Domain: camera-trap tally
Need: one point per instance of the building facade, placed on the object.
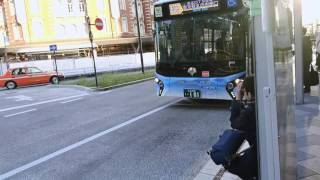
(13, 34)
(32, 25)
(128, 17)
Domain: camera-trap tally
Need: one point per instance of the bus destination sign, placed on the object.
(193, 6)
(187, 7)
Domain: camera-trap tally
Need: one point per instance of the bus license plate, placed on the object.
(192, 93)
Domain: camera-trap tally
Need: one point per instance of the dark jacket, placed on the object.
(243, 118)
(307, 59)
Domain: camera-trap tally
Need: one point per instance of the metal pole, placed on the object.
(139, 36)
(91, 41)
(92, 50)
(55, 62)
(1, 69)
(298, 52)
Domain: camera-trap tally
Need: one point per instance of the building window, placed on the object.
(1, 17)
(60, 7)
(69, 5)
(82, 29)
(142, 32)
(71, 31)
(100, 5)
(135, 30)
(124, 24)
(81, 6)
(16, 32)
(140, 9)
(37, 28)
(35, 6)
(60, 31)
(12, 8)
(122, 4)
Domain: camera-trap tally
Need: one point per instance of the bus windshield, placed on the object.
(203, 38)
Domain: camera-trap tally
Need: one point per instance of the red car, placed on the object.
(25, 76)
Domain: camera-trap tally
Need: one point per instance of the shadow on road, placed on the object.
(204, 103)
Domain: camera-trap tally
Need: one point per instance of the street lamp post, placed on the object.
(139, 36)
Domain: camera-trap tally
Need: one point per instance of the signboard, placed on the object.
(205, 73)
(185, 7)
(193, 6)
(98, 23)
(158, 12)
(53, 47)
(200, 4)
(175, 9)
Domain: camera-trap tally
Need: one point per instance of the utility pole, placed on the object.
(92, 50)
(139, 36)
(91, 41)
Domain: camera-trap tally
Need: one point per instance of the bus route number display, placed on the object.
(193, 6)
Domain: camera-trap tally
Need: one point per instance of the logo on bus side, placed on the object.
(192, 71)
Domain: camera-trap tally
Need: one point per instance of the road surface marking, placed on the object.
(19, 98)
(106, 92)
(23, 112)
(64, 102)
(42, 102)
(80, 143)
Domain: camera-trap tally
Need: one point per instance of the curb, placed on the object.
(122, 85)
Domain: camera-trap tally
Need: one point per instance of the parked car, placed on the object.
(25, 76)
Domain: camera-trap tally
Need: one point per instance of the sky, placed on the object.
(310, 11)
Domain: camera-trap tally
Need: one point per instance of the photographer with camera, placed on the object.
(243, 123)
(243, 118)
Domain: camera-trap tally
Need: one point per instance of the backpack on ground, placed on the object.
(224, 150)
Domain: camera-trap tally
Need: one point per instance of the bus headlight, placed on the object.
(230, 86)
(161, 85)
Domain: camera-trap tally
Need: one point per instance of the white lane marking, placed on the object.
(42, 102)
(105, 92)
(23, 112)
(20, 98)
(64, 102)
(80, 143)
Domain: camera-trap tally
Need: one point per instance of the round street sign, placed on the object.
(99, 24)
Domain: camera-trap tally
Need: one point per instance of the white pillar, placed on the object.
(268, 144)
(298, 52)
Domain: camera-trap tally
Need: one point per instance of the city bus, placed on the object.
(202, 47)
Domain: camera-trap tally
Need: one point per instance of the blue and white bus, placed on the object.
(202, 47)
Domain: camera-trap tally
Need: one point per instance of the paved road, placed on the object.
(52, 132)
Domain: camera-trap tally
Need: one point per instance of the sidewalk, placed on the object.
(308, 136)
(307, 119)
